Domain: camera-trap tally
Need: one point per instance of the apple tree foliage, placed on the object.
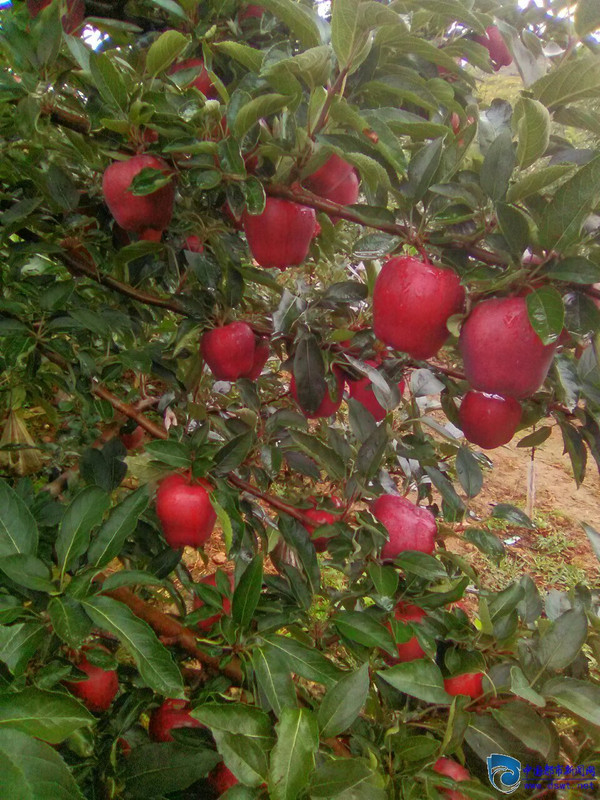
(294, 686)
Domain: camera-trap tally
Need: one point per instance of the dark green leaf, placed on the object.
(32, 770)
(164, 51)
(420, 678)
(575, 269)
(28, 571)
(18, 643)
(309, 374)
(513, 515)
(371, 452)
(327, 458)
(83, 514)
(305, 661)
(121, 523)
(237, 718)
(361, 627)
(485, 541)
(247, 593)
(527, 725)
(18, 530)
(536, 438)
(175, 454)
(109, 81)
(579, 697)
(293, 757)
(154, 770)
(50, 716)
(498, 166)
(274, 678)
(562, 642)
(546, 313)
(234, 453)
(469, 472)
(345, 779)
(343, 702)
(69, 620)
(594, 538)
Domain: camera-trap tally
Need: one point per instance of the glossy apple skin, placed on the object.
(202, 82)
(100, 688)
(500, 55)
(135, 213)
(328, 405)
(412, 302)
(194, 244)
(502, 354)
(206, 624)
(71, 21)
(229, 350)
(185, 511)
(362, 390)
(320, 518)
(171, 714)
(489, 420)
(451, 769)
(280, 237)
(221, 779)
(410, 650)
(134, 439)
(262, 352)
(469, 684)
(337, 181)
(409, 527)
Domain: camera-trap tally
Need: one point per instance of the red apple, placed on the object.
(101, 686)
(151, 235)
(410, 650)
(328, 405)
(251, 11)
(194, 244)
(455, 122)
(489, 420)
(362, 390)
(469, 684)
(500, 55)
(412, 302)
(502, 353)
(333, 172)
(211, 580)
(134, 439)
(171, 714)
(133, 212)
(409, 527)
(262, 351)
(280, 237)
(451, 769)
(71, 21)
(229, 351)
(185, 511)
(320, 518)
(221, 779)
(202, 82)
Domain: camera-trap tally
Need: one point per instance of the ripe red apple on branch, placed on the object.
(469, 683)
(262, 351)
(489, 420)
(101, 686)
(172, 713)
(409, 527)
(185, 511)
(336, 180)
(207, 623)
(412, 302)
(221, 778)
(229, 350)
(500, 55)
(320, 517)
(362, 390)
(452, 769)
(280, 237)
(411, 649)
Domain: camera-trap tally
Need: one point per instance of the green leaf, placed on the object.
(546, 313)
(536, 438)
(573, 80)
(575, 447)
(32, 770)
(50, 716)
(587, 17)
(514, 226)
(527, 725)
(274, 679)
(469, 472)
(498, 166)
(237, 718)
(309, 374)
(69, 620)
(18, 529)
(245, 757)
(18, 644)
(345, 779)
(153, 660)
(579, 697)
(368, 459)
(421, 678)
(532, 183)
(362, 627)
(28, 571)
(327, 458)
(519, 685)
(247, 593)
(349, 34)
(343, 702)
(121, 523)
(175, 454)
(561, 220)
(487, 736)
(83, 514)
(512, 514)
(445, 488)
(256, 109)
(248, 57)
(298, 19)
(154, 770)
(485, 541)
(423, 168)
(108, 81)
(575, 269)
(562, 642)
(293, 757)
(532, 123)
(593, 537)
(305, 661)
(62, 188)
(165, 50)
(234, 453)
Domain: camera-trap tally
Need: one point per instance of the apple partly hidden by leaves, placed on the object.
(185, 511)
(194, 244)
(329, 405)
(489, 420)
(336, 180)
(409, 527)
(211, 580)
(500, 55)
(133, 439)
(280, 237)
(412, 302)
(320, 517)
(362, 390)
(262, 351)
(469, 684)
(502, 353)
(229, 350)
(452, 769)
(101, 686)
(173, 713)
(138, 212)
(250, 11)
(71, 21)
(411, 649)
(221, 779)
(202, 81)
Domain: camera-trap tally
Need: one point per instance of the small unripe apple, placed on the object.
(221, 779)
(171, 714)
(469, 684)
(134, 439)
(329, 405)
(409, 527)
(500, 55)
(412, 302)
(194, 244)
(280, 237)
(229, 350)
(71, 21)
(362, 390)
(489, 420)
(101, 686)
(262, 351)
(320, 518)
(185, 511)
(206, 624)
(454, 770)
(133, 212)
(202, 82)
(410, 650)
(502, 353)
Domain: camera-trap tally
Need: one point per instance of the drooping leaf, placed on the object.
(50, 716)
(83, 514)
